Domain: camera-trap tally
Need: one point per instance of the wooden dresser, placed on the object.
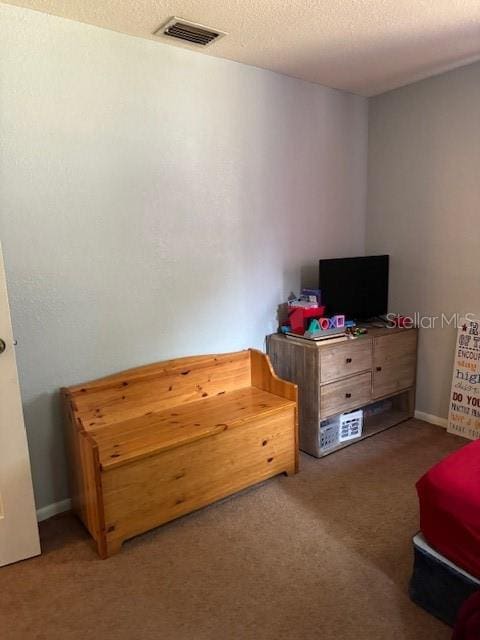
(341, 375)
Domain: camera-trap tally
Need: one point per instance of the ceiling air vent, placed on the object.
(189, 32)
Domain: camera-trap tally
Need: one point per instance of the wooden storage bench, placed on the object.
(151, 444)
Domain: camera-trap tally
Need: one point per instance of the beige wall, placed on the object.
(424, 209)
(157, 202)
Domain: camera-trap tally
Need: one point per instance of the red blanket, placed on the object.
(468, 624)
(449, 496)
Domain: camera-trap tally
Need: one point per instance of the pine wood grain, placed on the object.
(155, 432)
(185, 478)
(169, 384)
(155, 442)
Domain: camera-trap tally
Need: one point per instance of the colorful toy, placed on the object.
(308, 310)
(334, 325)
(355, 332)
(314, 326)
(298, 316)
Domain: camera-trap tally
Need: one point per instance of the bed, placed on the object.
(438, 585)
(447, 552)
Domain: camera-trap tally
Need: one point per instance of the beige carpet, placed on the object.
(325, 554)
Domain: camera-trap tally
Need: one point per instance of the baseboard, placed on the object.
(53, 509)
(428, 417)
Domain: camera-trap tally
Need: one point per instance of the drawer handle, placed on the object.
(348, 360)
(379, 368)
(348, 395)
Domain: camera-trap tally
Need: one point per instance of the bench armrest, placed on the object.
(264, 377)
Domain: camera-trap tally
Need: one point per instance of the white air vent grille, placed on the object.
(190, 32)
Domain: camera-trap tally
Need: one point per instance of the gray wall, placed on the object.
(424, 209)
(156, 203)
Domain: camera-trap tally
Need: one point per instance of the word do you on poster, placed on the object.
(464, 410)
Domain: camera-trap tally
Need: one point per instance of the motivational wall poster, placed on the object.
(464, 411)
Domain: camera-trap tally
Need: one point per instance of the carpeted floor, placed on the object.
(325, 554)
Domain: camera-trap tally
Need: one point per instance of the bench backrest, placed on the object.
(157, 387)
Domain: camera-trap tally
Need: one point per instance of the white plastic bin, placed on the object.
(351, 425)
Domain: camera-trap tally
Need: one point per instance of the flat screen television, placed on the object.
(355, 287)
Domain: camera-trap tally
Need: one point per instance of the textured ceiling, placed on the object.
(363, 46)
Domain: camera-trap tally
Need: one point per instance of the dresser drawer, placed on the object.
(337, 397)
(343, 359)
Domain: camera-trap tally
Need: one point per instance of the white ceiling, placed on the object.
(363, 46)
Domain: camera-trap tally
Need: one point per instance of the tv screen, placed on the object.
(355, 287)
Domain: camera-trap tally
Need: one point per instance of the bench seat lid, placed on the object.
(154, 432)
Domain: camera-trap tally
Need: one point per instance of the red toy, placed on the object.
(298, 315)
